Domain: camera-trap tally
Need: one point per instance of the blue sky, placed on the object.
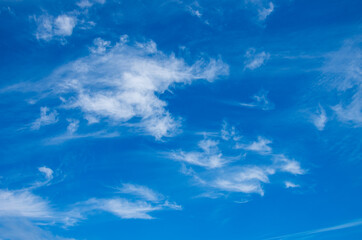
(237, 119)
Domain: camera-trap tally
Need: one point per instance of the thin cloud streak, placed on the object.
(301, 235)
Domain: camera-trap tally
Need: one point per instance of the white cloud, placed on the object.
(261, 101)
(265, 11)
(209, 157)
(254, 60)
(309, 234)
(229, 132)
(127, 208)
(122, 207)
(343, 72)
(23, 203)
(63, 25)
(84, 3)
(285, 164)
(289, 184)
(47, 171)
(44, 28)
(100, 46)
(260, 146)
(67, 136)
(72, 126)
(141, 191)
(89, 3)
(125, 82)
(19, 229)
(242, 180)
(352, 112)
(194, 9)
(46, 118)
(50, 27)
(231, 175)
(261, 8)
(320, 119)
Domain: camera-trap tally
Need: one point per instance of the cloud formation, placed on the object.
(24, 205)
(308, 234)
(21, 228)
(124, 84)
(264, 12)
(260, 146)
(254, 59)
(47, 117)
(141, 191)
(320, 118)
(289, 184)
(209, 157)
(261, 101)
(50, 27)
(89, 3)
(343, 72)
(235, 173)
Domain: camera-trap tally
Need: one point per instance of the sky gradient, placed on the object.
(180, 119)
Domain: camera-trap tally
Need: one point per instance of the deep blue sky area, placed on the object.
(177, 119)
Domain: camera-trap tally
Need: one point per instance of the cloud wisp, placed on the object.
(264, 12)
(320, 118)
(210, 155)
(303, 235)
(50, 27)
(261, 101)
(47, 117)
(254, 59)
(261, 8)
(84, 4)
(21, 228)
(141, 192)
(234, 174)
(123, 84)
(343, 72)
(24, 205)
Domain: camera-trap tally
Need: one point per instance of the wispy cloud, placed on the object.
(352, 112)
(24, 204)
(260, 146)
(100, 46)
(47, 171)
(146, 202)
(261, 8)
(320, 118)
(264, 12)
(20, 228)
(50, 27)
(194, 9)
(303, 235)
(343, 72)
(124, 83)
(254, 59)
(289, 184)
(209, 157)
(89, 3)
(261, 101)
(121, 208)
(47, 117)
(231, 174)
(124, 208)
(141, 191)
